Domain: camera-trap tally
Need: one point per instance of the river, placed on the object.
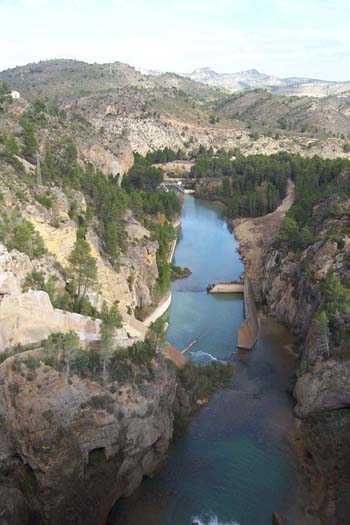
(235, 464)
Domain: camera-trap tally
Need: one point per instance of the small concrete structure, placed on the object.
(248, 331)
(234, 287)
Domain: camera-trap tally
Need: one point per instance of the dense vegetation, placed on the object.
(333, 316)
(315, 180)
(249, 186)
(165, 155)
(5, 95)
(318, 215)
(254, 185)
(164, 233)
(104, 364)
(19, 234)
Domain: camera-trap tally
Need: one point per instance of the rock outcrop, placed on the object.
(28, 318)
(289, 287)
(292, 292)
(135, 282)
(70, 450)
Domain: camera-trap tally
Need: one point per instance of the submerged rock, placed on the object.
(277, 519)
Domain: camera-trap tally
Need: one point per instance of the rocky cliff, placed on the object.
(295, 285)
(23, 306)
(74, 439)
(70, 449)
(293, 290)
(321, 389)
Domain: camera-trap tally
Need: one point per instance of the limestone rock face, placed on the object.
(292, 289)
(134, 284)
(21, 318)
(78, 459)
(106, 161)
(28, 318)
(17, 263)
(325, 387)
(290, 295)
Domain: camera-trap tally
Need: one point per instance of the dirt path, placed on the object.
(256, 236)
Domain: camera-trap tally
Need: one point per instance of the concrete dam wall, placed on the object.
(248, 331)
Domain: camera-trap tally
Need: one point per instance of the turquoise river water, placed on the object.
(235, 464)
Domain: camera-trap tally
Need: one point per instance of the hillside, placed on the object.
(112, 110)
(266, 112)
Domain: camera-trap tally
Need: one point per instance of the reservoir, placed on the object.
(235, 464)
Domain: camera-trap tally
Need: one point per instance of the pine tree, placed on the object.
(83, 270)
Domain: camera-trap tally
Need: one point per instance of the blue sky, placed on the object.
(282, 37)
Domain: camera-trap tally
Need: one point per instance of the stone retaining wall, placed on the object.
(248, 331)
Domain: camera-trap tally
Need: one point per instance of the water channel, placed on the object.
(235, 464)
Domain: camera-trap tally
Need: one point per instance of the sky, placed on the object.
(282, 37)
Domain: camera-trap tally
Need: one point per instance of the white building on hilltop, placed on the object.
(15, 95)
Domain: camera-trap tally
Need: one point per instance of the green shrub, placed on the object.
(201, 382)
(102, 402)
(31, 362)
(27, 240)
(45, 200)
(34, 280)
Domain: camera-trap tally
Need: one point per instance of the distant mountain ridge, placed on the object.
(254, 79)
(248, 79)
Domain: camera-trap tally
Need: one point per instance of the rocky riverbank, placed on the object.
(288, 285)
(256, 237)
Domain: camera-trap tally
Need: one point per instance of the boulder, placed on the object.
(277, 519)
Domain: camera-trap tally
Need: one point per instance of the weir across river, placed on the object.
(217, 471)
(248, 331)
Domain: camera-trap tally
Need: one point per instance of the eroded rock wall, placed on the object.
(71, 449)
(292, 292)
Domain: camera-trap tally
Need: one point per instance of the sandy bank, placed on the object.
(255, 237)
